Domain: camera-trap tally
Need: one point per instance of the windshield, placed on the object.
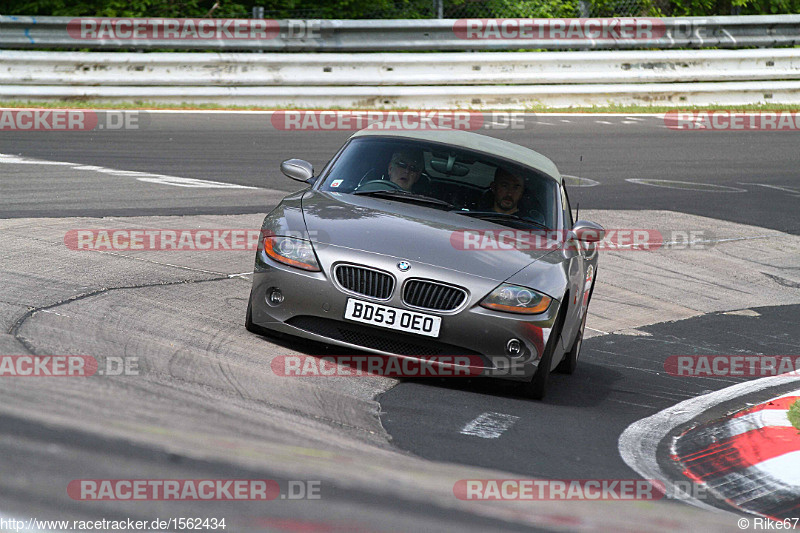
(467, 182)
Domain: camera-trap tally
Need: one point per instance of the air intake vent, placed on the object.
(372, 283)
(432, 295)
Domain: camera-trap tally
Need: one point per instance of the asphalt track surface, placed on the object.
(622, 378)
(247, 149)
(572, 435)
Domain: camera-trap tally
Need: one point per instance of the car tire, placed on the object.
(570, 361)
(535, 389)
(248, 319)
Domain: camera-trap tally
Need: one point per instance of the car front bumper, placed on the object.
(314, 304)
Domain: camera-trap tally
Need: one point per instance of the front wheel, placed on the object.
(570, 361)
(248, 319)
(536, 388)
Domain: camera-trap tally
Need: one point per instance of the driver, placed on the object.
(405, 168)
(508, 189)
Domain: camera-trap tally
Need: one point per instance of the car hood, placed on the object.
(408, 231)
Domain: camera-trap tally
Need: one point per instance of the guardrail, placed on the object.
(483, 68)
(512, 97)
(765, 31)
(420, 81)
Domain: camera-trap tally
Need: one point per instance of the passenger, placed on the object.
(507, 189)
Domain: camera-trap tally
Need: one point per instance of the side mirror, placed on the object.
(297, 169)
(586, 231)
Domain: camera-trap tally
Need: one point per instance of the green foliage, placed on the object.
(203, 8)
(511, 8)
(360, 9)
(627, 109)
(691, 8)
(120, 8)
(699, 8)
(627, 8)
(770, 7)
(794, 414)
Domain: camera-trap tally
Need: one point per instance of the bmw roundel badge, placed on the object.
(403, 266)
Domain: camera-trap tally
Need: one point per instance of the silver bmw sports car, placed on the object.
(424, 244)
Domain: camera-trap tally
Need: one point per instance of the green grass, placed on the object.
(93, 104)
(794, 414)
(664, 109)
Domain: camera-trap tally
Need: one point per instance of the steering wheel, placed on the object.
(378, 185)
(536, 216)
(534, 210)
(369, 175)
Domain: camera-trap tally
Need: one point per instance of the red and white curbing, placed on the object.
(750, 459)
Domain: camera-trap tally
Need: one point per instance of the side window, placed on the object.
(568, 222)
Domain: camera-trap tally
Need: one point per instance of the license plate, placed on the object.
(392, 318)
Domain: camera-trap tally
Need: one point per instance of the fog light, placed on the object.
(514, 348)
(274, 296)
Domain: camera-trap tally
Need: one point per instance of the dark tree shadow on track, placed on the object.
(589, 385)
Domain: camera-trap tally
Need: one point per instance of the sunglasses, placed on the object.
(407, 166)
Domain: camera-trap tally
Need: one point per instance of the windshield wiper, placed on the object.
(494, 215)
(407, 197)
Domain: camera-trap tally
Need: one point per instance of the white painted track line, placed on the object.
(147, 177)
(489, 425)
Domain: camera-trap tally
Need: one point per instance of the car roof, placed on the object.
(472, 141)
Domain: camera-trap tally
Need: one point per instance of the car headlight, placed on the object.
(516, 299)
(291, 251)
